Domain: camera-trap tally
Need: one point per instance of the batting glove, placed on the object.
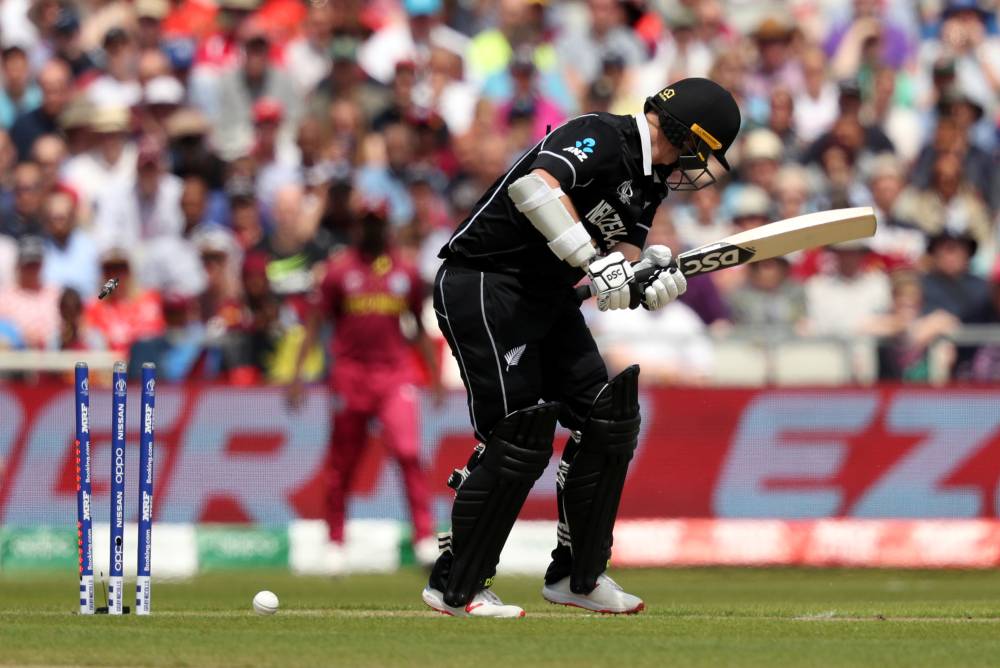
(669, 283)
(610, 276)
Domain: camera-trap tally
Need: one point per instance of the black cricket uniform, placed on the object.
(505, 302)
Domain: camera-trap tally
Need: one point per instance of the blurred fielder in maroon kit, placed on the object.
(366, 291)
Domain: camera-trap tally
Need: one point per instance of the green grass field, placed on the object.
(701, 617)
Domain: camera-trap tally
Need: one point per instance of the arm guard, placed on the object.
(540, 203)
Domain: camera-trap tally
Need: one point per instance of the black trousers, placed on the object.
(517, 344)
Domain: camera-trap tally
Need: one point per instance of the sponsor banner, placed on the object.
(223, 547)
(238, 455)
(838, 542)
(38, 548)
(371, 546)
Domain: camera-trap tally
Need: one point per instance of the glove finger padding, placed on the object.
(613, 301)
(665, 288)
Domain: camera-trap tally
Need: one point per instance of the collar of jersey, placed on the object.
(642, 125)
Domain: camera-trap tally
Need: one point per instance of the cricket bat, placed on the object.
(761, 243)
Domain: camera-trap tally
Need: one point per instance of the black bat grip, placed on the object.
(638, 284)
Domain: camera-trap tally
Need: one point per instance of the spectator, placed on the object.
(54, 80)
(897, 240)
(194, 206)
(190, 153)
(129, 313)
(8, 158)
(294, 248)
(119, 85)
(869, 29)
(162, 96)
(8, 260)
(680, 52)
(446, 93)
(49, 153)
(24, 216)
(276, 164)
(671, 345)
(19, 94)
(149, 16)
(67, 43)
(70, 253)
(73, 334)
(74, 122)
(112, 160)
(857, 140)
(179, 352)
(152, 64)
(308, 56)
(900, 123)
(30, 305)
(847, 300)
(964, 39)
(906, 332)
(950, 202)
(986, 363)
(528, 100)
(776, 66)
(410, 40)
(760, 159)
(581, 50)
(793, 192)
(244, 214)
(781, 121)
(769, 298)
(701, 220)
(952, 135)
(816, 102)
(402, 106)
(384, 177)
(347, 82)
(128, 213)
(949, 285)
(240, 87)
(220, 48)
(219, 304)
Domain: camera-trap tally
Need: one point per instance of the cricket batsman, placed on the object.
(578, 204)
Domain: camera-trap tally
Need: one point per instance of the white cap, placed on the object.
(762, 144)
(163, 90)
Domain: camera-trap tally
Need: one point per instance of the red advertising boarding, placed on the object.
(239, 454)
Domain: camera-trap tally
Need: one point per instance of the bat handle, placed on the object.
(642, 277)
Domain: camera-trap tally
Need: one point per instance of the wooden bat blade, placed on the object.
(762, 243)
(780, 238)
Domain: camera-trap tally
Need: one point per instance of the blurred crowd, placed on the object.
(210, 156)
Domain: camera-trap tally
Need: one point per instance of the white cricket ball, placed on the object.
(265, 603)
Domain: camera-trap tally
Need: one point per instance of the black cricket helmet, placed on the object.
(699, 117)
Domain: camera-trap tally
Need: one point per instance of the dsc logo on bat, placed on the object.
(726, 256)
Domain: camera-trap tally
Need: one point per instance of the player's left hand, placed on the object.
(668, 285)
(611, 276)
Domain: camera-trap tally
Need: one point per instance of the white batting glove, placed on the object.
(668, 285)
(610, 276)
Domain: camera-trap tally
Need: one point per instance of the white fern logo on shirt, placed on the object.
(513, 356)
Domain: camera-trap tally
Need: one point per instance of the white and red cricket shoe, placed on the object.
(608, 597)
(483, 604)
